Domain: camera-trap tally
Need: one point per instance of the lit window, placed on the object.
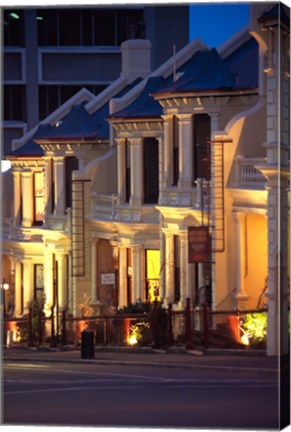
(38, 198)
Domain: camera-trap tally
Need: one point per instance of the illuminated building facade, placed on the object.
(107, 187)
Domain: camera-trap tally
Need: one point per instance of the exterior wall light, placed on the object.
(14, 15)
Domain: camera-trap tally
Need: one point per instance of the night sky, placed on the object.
(214, 23)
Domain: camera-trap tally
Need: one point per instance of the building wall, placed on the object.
(256, 258)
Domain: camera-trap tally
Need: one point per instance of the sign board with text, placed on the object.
(107, 279)
(198, 244)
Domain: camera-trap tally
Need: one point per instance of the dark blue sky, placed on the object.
(213, 23)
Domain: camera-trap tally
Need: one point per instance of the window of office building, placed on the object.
(52, 96)
(88, 27)
(13, 27)
(47, 27)
(14, 107)
(70, 27)
(104, 27)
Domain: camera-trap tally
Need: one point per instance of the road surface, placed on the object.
(206, 396)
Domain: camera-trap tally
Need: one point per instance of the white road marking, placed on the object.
(91, 373)
(198, 385)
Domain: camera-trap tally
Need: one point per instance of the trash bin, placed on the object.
(9, 339)
(87, 344)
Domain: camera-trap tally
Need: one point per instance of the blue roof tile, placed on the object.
(144, 106)
(244, 64)
(205, 71)
(79, 124)
(31, 148)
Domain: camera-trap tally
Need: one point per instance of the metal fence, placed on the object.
(191, 328)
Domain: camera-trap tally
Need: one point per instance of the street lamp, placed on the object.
(5, 287)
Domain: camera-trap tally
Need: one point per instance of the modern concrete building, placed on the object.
(120, 197)
(49, 54)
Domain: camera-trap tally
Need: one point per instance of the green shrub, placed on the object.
(138, 308)
(255, 325)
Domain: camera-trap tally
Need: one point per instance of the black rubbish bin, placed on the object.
(87, 344)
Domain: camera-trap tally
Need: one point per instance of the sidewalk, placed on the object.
(175, 357)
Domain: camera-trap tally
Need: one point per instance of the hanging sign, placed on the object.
(198, 244)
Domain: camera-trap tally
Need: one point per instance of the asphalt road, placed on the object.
(206, 396)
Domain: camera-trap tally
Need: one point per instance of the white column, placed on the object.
(169, 269)
(136, 171)
(277, 324)
(241, 295)
(48, 184)
(136, 273)
(185, 151)
(184, 276)
(94, 271)
(162, 262)
(161, 162)
(277, 172)
(18, 289)
(121, 169)
(62, 281)
(48, 279)
(167, 152)
(70, 284)
(59, 185)
(17, 196)
(28, 284)
(27, 198)
(122, 277)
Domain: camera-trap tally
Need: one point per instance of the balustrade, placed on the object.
(247, 176)
(104, 205)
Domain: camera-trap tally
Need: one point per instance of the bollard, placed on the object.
(9, 339)
(87, 344)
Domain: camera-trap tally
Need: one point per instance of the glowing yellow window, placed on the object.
(153, 275)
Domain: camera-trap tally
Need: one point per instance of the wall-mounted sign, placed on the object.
(107, 279)
(198, 244)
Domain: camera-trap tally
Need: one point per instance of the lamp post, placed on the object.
(5, 287)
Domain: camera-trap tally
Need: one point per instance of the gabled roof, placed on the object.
(244, 64)
(205, 71)
(27, 145)
(144, 106)
(31, 148)
(278, 11)
(78, 124)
